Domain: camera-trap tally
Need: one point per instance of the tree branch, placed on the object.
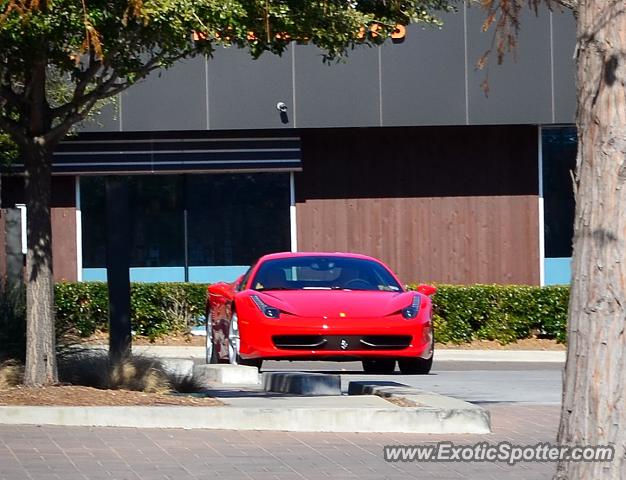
(88, 75)
(106, 86)
(571, 4)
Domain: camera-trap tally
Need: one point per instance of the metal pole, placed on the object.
(118, 265)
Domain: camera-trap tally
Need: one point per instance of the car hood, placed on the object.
(337, 303)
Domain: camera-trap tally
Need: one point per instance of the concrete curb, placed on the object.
(302, 383)
(442, 355)
(381, 420)
(476, 417)
(363, 410)
(225, 374)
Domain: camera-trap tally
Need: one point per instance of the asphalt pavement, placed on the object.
(477, 376)
(476, 382)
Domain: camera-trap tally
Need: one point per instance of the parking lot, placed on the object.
(522, 398)
(476, 382)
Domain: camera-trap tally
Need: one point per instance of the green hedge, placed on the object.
(156, 308)
(462, 313)
(499, 312)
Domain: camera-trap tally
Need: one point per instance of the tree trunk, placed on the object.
(41, 367)
(594, 406)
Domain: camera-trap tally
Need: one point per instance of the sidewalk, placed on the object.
(41, 453)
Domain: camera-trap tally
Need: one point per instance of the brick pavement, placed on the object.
(68, 453)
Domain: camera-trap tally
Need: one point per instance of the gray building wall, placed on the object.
(429, 79)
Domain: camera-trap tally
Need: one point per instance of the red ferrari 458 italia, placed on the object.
(322, 306)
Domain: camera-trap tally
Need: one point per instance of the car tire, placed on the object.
(417, 366)
(211, 352)
(251, 362)
(233, 340)
(383, 366)
(233, 346)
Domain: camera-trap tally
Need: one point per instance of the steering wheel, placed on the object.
(357, 283)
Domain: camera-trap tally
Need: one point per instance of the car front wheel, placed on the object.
(383, 366)
(211, 353)
(251, 362)
(234, 343)
(417, 366)
(233, 340)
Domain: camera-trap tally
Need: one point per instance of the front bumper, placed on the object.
(292, 337)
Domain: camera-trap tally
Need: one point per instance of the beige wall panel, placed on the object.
(480, 239)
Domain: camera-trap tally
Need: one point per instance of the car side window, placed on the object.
(244, 279)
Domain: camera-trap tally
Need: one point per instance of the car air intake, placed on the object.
(307, 342)
(342, 342)
(386, 342)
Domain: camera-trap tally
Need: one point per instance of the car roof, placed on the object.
(277, 255)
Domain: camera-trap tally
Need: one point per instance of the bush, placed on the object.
(156, 308)
(462, 313)
(504, 313)
(81, 308)
(11, 374)
(162, 308)
(94, 369)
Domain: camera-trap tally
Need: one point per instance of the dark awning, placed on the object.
(164, 153)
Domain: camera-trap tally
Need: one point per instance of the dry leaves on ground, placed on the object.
(71, 395)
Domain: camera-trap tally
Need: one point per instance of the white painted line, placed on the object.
(539, 356)
(79, 233)
(293, 219)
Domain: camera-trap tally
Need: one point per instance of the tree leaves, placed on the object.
(104, 46)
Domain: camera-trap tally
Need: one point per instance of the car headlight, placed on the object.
(412, 310)
(267, 310)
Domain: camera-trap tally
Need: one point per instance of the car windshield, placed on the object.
(323, 273)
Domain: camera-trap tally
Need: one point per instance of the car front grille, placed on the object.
(341, 342)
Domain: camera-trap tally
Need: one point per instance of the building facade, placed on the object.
(396, 153)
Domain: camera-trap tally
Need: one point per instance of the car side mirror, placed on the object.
(426, 289)
(222, 289)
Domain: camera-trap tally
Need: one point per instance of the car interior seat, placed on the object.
(275, 278)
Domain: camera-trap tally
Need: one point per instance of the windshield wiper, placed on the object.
(274, 288)
(353, 289)
(337, 287)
